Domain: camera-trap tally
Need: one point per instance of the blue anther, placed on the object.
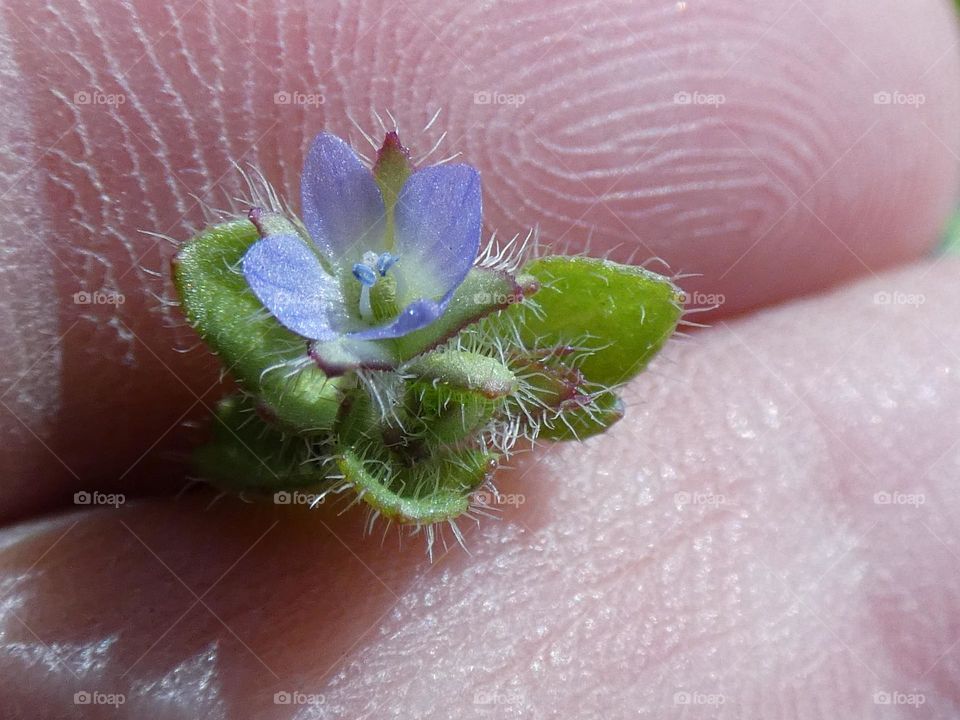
(385, 262)
(365, 274)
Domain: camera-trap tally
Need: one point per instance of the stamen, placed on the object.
(365, 274)
(368, 278)
(385, 262)
(366, 310)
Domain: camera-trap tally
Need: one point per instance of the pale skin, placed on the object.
(723, 552)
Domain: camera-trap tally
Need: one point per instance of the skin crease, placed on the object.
(782, 587)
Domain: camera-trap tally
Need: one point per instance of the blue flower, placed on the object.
(370, 271)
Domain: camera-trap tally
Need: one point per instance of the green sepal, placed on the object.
(580, 420)
(430, 491)
(253, 346)
(620, 314)
(248, 454)
(359, 420)
(391, 170)
(269, 223)
(453, 393)
(463, 370)
(442, 415)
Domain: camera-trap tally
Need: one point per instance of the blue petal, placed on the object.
(288, 278)
(437, 220)
(342, 206)
(414, 316)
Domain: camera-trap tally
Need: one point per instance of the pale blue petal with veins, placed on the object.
(340, 202)
(438, 219)
(302, 295)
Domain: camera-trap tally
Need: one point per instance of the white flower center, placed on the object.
(371, 267)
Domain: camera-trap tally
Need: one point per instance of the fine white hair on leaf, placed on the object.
(385, 388)
(432, 150)
(383, 126)
(432, 120)
(260, 193)
(364, 133)
(449, 158)
(396, 125)
(173, 242)
(510, 256)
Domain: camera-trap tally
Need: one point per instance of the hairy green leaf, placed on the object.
(619, 315)
(434, 490)
(254, 347)
(247, 454)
